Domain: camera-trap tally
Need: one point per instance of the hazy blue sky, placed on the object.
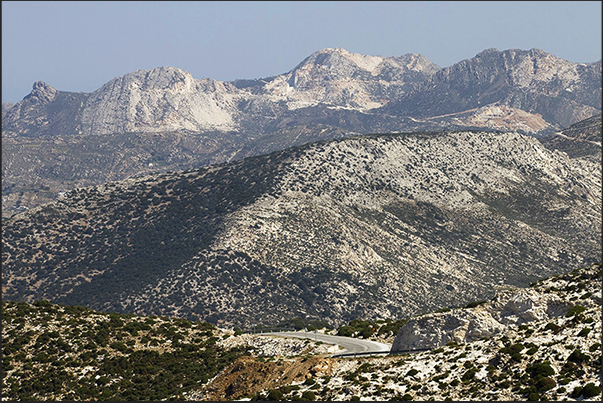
(79, 46)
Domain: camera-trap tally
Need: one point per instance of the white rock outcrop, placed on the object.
(465, 325)
(161, 99)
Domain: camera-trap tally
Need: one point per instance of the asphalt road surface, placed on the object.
(350, 345)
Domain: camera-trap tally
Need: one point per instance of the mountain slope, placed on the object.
(533, 81)
(580, 140)
(555, 359)
(345, 87)
(371, 226)
(55, 352)
(163, 119)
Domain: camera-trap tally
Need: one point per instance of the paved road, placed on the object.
(350, 344)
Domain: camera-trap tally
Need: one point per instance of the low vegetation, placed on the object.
(58, 352)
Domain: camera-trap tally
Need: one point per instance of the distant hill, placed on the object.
(374, 226)
(582, 139)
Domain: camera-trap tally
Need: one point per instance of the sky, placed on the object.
(78, 46)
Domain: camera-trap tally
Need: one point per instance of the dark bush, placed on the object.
(467, 376)
(309, 381)
(275, 394)
(590, 390)
(578, 356)
(553, 326)
(539, 370)
(545, 383)
(576, 309)
(474, 304)
(576, 392)
(533, 397)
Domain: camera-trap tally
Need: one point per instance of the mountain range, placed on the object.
(371, 226)
(165, 120)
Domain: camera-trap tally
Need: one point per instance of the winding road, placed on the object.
(350, 345)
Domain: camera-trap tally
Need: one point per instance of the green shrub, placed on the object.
(512, 349)
(467, 376)
(590, 390)
(564, 381)
(517, 357)
(412, 372)
(474, 304)
(275, 394)
(578, 356)
(533, 397)
(553, 326)
(538, 370)
(504, 384)
(575, 310)
(545, 383)
(594, 347)
(576, 392)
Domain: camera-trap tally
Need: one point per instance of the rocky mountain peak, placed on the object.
(332, 63)
(530, 80)
(340, 62)
(41, 93)
(164, 98)
(157, 79)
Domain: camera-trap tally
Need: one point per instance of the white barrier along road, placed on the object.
(350, 345)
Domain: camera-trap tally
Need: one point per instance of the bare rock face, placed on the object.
(501, 117)
(162, 99)
(349, 80)
(464, 325)
(560, 91)
(357, 92)
(54, 137)
(31, 111)
(6, 106)
(42, 93)
(581, 140)
(436, 330)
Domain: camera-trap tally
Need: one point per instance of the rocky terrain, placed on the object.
(168, 99)
(59, 352)
(580, 140)
(528, 80)
(370, 227)
(542, 358)
(165, 120)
